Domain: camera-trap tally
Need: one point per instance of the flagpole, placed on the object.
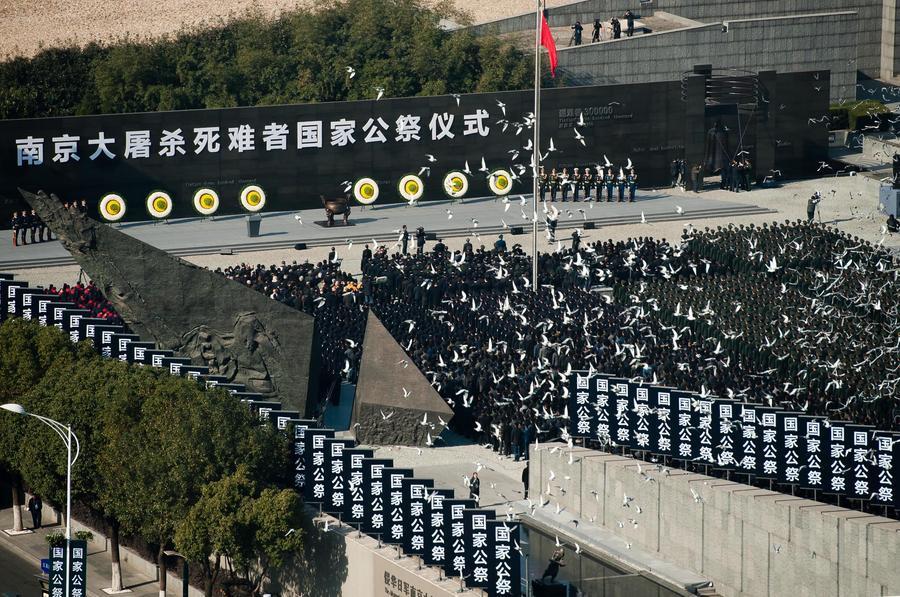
(537, 151)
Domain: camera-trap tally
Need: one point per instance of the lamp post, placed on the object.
(65, 433)
(185, 571)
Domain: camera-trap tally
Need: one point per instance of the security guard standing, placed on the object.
(609, 179)
(632, 184)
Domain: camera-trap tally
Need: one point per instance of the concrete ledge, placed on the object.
(747, 540)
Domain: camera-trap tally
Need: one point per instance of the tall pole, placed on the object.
(68, 510)
(536, 159)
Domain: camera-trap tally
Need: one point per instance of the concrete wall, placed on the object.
(890, 38)
(785, 44)
(876, 31)
(749, 541)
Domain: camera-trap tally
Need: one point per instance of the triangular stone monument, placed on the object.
(385, 416)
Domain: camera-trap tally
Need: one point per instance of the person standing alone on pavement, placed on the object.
(475, 488)
(35, 506)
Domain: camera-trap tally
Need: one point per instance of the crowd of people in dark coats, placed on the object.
(706, 313)
(323, 290)
(796, 315)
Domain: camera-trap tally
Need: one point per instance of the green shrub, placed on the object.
(854, 115)
(301, 56)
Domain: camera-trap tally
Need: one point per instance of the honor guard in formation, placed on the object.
(584, 181)
(554, 184)
(632, 184)
(543, 183)
(27, 225)
(576, 184)
(16, 225)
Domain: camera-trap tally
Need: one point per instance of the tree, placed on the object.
(253, 530)
(254, 60)
(79, 388)
(159, 456)
(26, 351)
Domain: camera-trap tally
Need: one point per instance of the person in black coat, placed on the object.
(576, 241)
(35, 506)
(577, 28)
(475, 488)
(525, 476)
(617, 28)
(629, 20)
(420, 240)
(404, 240)
(554, 565)
(16, 225)
(366, 255)
(597, 27)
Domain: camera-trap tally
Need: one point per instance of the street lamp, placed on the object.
(185, 571)
(65, 433)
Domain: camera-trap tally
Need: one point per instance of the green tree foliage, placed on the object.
(150, 442)
(301, 56)
(250, 528)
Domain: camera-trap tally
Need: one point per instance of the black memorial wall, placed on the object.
(856, 462)
(334, 474)
(298, 152)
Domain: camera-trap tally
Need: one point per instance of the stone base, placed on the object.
(13, 533)
(111, 592)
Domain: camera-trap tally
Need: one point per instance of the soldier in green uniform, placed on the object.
(576, 184)
(554, 184)
(609, 180)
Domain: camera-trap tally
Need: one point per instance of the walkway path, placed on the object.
(20, 560)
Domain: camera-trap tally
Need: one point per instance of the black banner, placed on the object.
(314, 451)
(504, 574)
(397, 509)
(476, 569)
(415, 496)
(437, 537)
(375, 495)
(354, 502)
(298, 451)
(335, 476)
(458, 542)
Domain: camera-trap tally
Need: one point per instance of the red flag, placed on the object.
(547, 42)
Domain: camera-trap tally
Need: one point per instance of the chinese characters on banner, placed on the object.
(314, 453)
(77, 570)
(503, 575)
(762, 442)
(184, 141)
